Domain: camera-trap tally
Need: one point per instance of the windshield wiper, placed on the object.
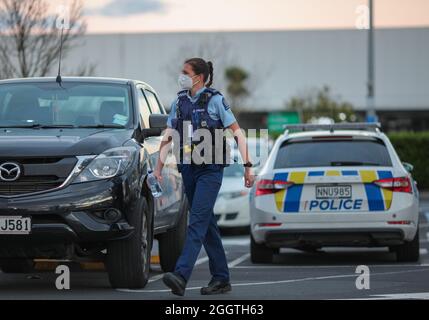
(353, 163)
(39, 126)
(98, 126)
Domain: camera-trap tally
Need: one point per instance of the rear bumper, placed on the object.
(336, 228)
(325, 238)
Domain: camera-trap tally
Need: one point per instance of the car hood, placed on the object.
(60, 142)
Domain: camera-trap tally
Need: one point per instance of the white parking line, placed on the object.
(239, 260)
(236, 242)
(201, 260)
(281, 281)
(155, 278)
(395, 296)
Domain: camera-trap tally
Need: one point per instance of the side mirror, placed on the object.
(157, 123)
(408, 166)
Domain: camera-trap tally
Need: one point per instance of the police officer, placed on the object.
(200, 107)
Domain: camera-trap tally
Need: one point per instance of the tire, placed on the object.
(260, 253)
(17, 266)
(171, 243)
(409, 251)
(128, 260)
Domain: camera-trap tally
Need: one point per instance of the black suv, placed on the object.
(74, 157)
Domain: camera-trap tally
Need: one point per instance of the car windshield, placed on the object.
(332, 153)
(69, 105)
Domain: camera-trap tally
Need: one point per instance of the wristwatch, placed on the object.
(248, 164)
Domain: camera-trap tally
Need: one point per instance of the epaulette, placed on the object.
(182, 93)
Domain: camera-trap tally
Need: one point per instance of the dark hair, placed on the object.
(200, 66)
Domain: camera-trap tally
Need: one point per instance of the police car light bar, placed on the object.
(373, 126)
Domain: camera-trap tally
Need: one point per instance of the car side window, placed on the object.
(153, 102)
(145, 110)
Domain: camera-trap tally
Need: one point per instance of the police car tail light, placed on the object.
(401, 184)
(267, 186)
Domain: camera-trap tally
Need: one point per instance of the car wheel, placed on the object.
(128, 260)
(171, 243)
(260, 253)
(17, 265)
(409, 251)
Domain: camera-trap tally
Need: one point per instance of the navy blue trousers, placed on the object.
(202, 184)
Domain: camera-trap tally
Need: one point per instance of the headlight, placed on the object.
(110, 163)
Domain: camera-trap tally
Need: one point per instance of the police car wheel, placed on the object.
(409, 251)
(171, 243)
(128, 260)
(17, 265)
(260, 253)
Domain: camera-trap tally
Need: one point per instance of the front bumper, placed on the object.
(232, 212)
(72, 214)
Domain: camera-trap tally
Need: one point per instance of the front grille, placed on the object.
(29, 185)
(231, 216)
(38, 174)
(41, 160)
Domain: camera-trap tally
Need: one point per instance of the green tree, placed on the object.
(321, 103)
(236, 86)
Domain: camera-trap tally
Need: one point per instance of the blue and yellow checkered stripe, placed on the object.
(288, 200)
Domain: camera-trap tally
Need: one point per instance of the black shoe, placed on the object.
(216, 287)
(175, 282)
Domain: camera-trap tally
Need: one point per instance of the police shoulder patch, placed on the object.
(225, 104)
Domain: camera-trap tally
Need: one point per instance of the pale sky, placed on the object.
(119, 16)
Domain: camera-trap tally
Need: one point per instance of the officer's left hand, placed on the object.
(249, 178)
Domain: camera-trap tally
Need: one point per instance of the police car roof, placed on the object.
(326, 133)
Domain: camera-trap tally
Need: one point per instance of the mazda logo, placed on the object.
(9, 171)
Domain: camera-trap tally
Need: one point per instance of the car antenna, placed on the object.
(59, 80)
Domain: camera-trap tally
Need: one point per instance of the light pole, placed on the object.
(371, 115)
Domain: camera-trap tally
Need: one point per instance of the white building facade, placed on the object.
(281, 64)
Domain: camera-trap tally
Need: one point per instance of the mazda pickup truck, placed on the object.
(74, 157)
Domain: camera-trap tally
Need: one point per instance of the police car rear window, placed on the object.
(332, 153)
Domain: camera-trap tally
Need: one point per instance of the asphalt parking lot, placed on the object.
(328, 274)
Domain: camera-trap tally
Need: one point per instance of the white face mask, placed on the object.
(185, 81)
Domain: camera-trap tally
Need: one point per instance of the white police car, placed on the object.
(334, 185)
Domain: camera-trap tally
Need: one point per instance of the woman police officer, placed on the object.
(200, 107)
